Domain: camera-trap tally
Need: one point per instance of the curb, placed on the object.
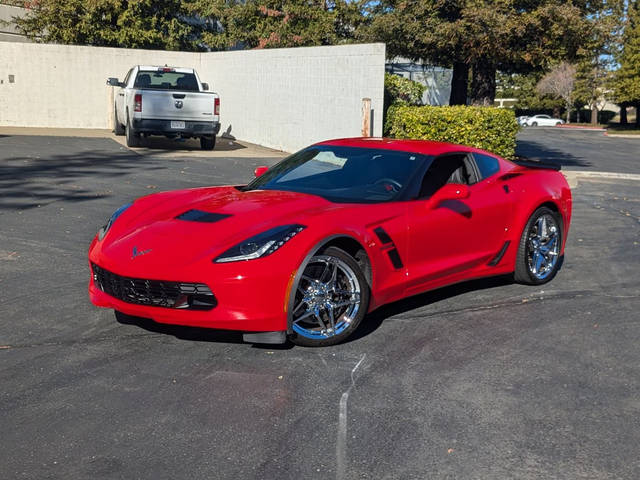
(621, 135)
(580, 127)
(573, 176)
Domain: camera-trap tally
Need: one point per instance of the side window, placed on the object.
(486, 165)
(443, 170)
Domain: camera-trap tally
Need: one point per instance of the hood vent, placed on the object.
(201, 216)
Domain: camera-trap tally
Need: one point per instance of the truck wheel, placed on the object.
(133, 138)
(207, 143)
(118, 129)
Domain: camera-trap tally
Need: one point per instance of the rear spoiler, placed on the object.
(528, 163)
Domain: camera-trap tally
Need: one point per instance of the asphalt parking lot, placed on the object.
(485, 379)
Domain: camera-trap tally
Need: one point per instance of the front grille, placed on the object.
(155, 293)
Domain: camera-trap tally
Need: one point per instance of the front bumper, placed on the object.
(250, 296)
(163, 127)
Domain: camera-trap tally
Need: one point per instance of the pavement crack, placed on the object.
(341, 441)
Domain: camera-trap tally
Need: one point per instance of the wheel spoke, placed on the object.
(316, 312)
(537, 259)
(346, 303)
(331, 319)
(302, 302)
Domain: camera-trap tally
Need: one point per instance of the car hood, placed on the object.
(165, 228)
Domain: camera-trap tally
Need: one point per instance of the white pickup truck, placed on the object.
(165, 101)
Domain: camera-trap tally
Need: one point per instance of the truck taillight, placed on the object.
(216, 106)
(137, 102)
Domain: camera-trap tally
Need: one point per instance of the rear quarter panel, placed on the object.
(533, 188)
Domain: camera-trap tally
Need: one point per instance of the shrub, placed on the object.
(401, 90)
(488, 128)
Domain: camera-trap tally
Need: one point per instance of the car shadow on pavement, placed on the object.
(191, 144)
(193, 334)
(538, 152)
(372, 321)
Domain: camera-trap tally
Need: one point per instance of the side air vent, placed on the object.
(383, 235)
(394, 256)
(496, 260)
(201, 216)
(389, 247)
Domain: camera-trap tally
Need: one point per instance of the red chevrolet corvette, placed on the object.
(332, 232)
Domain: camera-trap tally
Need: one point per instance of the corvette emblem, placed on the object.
(137, 253)
(179, 104)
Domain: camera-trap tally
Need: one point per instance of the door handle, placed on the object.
(506, 188)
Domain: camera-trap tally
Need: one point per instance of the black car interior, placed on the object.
(457, 168)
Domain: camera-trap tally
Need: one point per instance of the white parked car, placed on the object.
(168, 101)
(543, 121)
(522, 120)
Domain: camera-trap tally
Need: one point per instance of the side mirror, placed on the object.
(451, 191)
(114, 82)
(205, 87)
(260, 171)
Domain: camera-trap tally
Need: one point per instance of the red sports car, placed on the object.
(332, 232)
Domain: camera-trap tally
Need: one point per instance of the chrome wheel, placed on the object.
(543, 246)
(327, 299)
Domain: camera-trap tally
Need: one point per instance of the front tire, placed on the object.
(534, 124)
(208, 143)
(331, 299)
(132, 138)
(538, 258)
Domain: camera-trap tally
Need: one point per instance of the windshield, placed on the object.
(166, 80)
(343, 174)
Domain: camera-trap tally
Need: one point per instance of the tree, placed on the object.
(482, 36)
(559, 83)
(626, 80)
(155, 24)
(277, 23)
(523, 87)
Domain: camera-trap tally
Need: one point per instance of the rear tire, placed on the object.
(534, 124)
(132, 138)
(538, 259)
(330, 299)
(118, 129)
(208, 143)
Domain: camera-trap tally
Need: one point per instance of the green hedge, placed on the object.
(398, 89)
(488, 128)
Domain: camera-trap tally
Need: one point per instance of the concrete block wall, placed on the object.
(280, 98)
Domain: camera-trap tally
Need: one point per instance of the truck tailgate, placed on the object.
(191, 106)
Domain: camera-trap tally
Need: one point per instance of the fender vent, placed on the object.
(201, 216)
(389, 246)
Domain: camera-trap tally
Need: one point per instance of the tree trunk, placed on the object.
(594, 116)
(578, 115)
(459, 84)
(483, 83)
(637, 115)
(568, 113)
(623, 114)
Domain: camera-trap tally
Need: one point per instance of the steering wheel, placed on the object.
(389, 184)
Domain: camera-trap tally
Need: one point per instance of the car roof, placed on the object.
(426, 147)
(155, 68)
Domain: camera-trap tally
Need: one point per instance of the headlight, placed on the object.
(103, 231)
(261, 245)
